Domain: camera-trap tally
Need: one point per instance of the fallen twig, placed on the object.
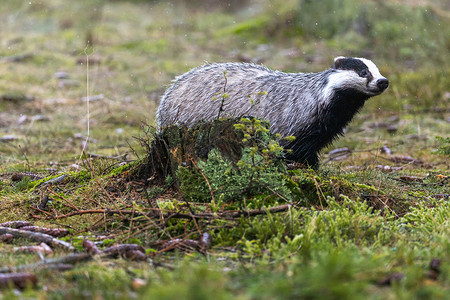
(228, 214)
(60, 267)
(37, 237)
(6, 237)
(54, 232)
(49, 263)
(16, 224)
(122, 249)
(238, 213)
(90, 247)
(135, 255)
(70, 204)
(121, 157)
(19, 280)
(87, 211)
(129, 251)
(206, 179)
(200, 245)
(55, 180)
(42, 248)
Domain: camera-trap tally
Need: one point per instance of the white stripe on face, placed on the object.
(372, 68)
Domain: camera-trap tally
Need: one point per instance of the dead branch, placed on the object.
(6, 238)
(128, 251)
(91, 247)
(180, 244)
(49, 263)
(135, 255)
(70, 204)
(88, 211)
(119, 157)
(37, 237)
(233, 214)
(206, 179)
(54, 232)
(16, 224)
(60, 267)
(42, 248)
(122, 249)
(156, 213)
(19, 280)
(58, 179)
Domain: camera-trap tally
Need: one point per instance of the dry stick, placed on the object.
(20, 280)
(232, 214)
(84, 212)
(131, 223)
(87, 103)
(153, 224)
(63, 198)
(206, 179)
(193, 219)
(131, 235)
(37, 237)
(321, 192)
(90, 211)
(195, 222)
(388, 207)
(42, 211)
(255, 212)
(69, 259)
(109, 197)
(221, 215)
(180, 236)
(176, 244)
(222, 102)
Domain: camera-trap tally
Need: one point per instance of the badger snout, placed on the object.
(382, 84)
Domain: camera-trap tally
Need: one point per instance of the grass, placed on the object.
(355, 222)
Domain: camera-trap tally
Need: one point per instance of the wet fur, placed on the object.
(313, 107)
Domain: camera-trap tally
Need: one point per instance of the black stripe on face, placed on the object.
(349, 63)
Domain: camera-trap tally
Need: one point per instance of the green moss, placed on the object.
(140, 46)
(444, 146)
(248, 26)
(258, 171)
(351, 223)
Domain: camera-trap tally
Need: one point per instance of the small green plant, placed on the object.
(444, 145)
(258, 172)
(24, 184)
(224, 95)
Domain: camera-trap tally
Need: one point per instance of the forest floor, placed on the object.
(79, 87)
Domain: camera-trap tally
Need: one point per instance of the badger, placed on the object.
(312, 107)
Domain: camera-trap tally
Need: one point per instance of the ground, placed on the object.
(372, 222)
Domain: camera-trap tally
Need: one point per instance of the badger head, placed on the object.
(359, 75)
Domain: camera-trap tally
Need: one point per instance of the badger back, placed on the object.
(286, 100)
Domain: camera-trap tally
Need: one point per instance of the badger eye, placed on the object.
(363, 73)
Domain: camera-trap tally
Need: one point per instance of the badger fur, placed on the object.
(313, 107)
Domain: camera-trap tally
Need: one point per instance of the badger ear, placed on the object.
(337, 61)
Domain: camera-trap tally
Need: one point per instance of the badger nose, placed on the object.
(382, 84)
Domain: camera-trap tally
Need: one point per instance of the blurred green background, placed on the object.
(135, 49)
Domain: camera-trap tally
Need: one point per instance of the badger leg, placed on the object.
(311, 160)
